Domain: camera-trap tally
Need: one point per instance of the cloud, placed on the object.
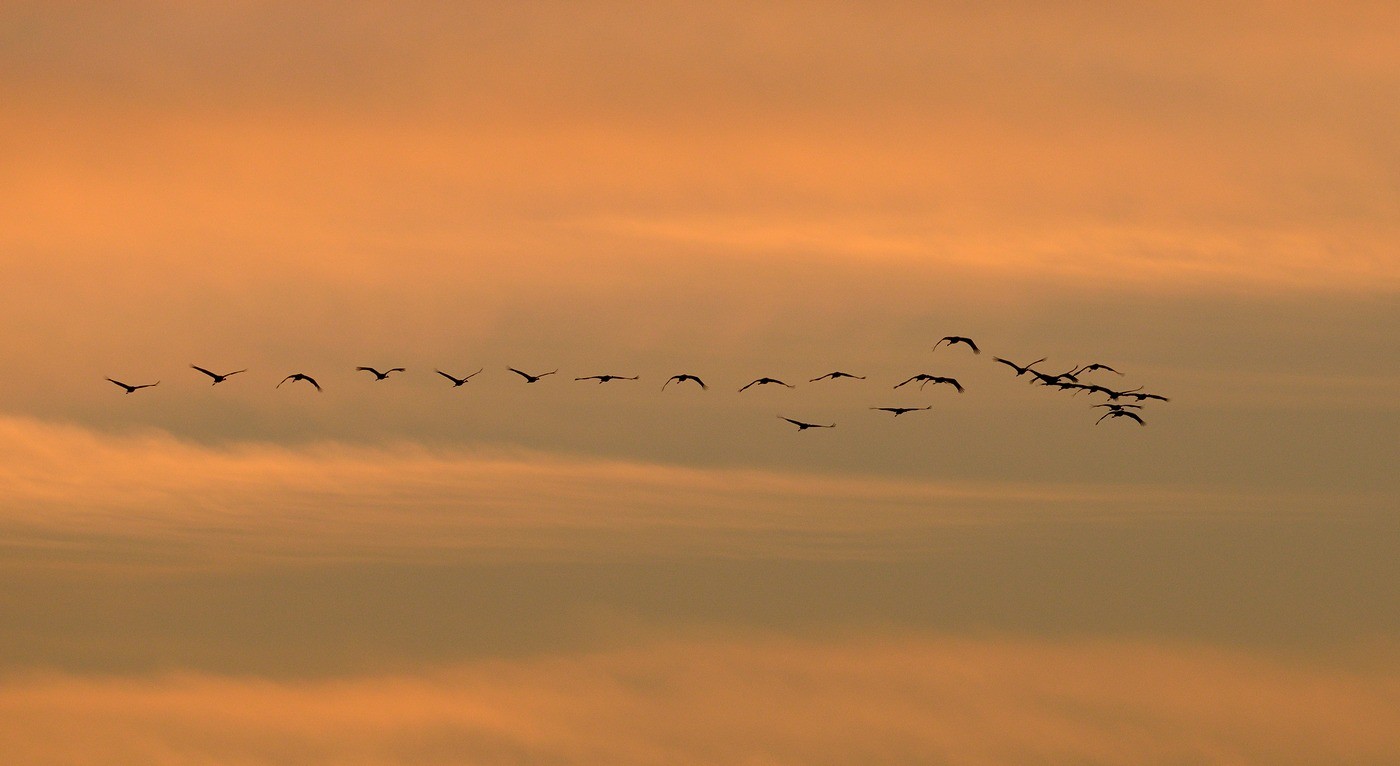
(71, 491)
(739, 700)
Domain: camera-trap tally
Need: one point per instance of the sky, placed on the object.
(1205, 197)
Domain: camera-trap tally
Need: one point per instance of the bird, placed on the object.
(835, 375)
(804, 426)
(925, 379)
(531, 378)
(216, 376)
(1095, 366)
(764, 382)
(1018, 368)
(130, 389)
(683, 378)
(901, 410)
(458, 382)
(1118, 407)
(605, 378)
(380, 375)
(1140, 397)
(1050, 380)
(301, 376)
(1120, 414)
(951, 339)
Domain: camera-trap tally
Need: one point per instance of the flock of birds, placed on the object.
(1114, 406)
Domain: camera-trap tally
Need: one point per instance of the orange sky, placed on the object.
(1206, 197)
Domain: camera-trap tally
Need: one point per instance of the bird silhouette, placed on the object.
(951, 339)
(683, 378)
(901, 410)
(1095, 366)
(835, 375)
(531, 378)
(130, 389)
(300, 376)
(605, 378)
(1046, 379)
(380, 375)
(804, 426)
(764, 382)
(1134, 395)
(458, 382)
(216, 376)
(1118, 407)
(925, 379)
(1018, 368)
(1120, 414)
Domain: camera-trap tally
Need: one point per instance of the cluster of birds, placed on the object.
(1064, 381)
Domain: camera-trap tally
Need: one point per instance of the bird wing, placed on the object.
(118, 382)
(747, 385)
(474, 374)
(445, 375)
(369, 369)
(1133, 415)
(396, 369)
(972, 345)
(312, 381)
(206, 372)
(524, 375)
(284, 380)
(956, 384)
(907, 382)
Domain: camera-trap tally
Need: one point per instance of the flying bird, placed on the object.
(1140, 397)
(458, 382)
(380, 375)
(681, 379)
(901, 410)
(1046, 379)
(1120, 414)
(300, 376)
(216, 376)
(1018, 368)
(1095, 366)
(804, 426)
(764, 382)
(605, 378)
(130, 389)
(531, 378)
(951, 339)
(1119, 407)
(925, 379)
(835, 375)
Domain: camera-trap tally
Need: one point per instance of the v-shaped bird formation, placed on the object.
(1072, 380)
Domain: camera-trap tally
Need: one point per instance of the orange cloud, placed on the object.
(954, 701)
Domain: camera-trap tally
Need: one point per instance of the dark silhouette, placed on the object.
(924, 380)
(300, 376)
(901, 410)
(764, 382)
(681, 379)
(531, 378)
(1046, 379)
(1120, 407)
(835, 375)
(216, 376)
(1120, 414)
(804, 426)
(130, 389)
(1141, 397)
(605, 378)
(1018, 368)
(380, 375)
(1095, 366)
(459, 382)
(951, 339)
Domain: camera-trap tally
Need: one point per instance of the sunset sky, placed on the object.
(1205, 196)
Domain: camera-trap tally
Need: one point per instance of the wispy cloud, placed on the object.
(890, 701)
(71, 490)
